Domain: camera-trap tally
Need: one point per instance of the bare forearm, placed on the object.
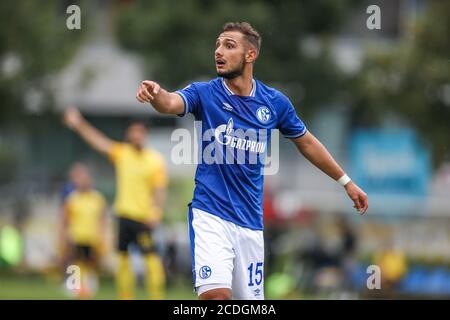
(64, 224)
(93, 137)
(159, 198)
(313, 150)
(102, 227)
(322, 159)
(164, 101)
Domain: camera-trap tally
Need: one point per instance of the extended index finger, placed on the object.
(148, 83)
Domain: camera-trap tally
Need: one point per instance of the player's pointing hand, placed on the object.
(147, 91)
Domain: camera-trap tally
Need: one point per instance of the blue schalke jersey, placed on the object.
(233, 140)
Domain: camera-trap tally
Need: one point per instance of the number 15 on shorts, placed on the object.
(255, 274)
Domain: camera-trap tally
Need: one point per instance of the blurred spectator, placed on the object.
(329, 264)
(67, 189)
(393, 266)
(83, 228)
(271, 228)
(347, 251)
(69, 186)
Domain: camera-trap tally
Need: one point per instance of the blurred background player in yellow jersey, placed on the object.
(83, 228)
(141, 182)
(68, 188)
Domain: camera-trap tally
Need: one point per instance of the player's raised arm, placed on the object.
(96, 139)
(162, 100)
(313, 150)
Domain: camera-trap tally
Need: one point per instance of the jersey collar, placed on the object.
(230, 93)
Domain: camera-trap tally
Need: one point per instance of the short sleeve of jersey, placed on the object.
(159, 177)
(67, 190)
(191, 99)
(115, 151)
(289, 123)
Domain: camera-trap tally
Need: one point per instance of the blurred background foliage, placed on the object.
(411, 81)
(34, 44)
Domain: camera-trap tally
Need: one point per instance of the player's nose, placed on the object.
(218, 53)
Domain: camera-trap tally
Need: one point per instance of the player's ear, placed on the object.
(251, 55)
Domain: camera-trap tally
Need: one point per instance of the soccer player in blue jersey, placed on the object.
(237, 114)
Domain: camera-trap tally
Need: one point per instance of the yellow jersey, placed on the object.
(392, 263)
(84, 211)
(138, 174)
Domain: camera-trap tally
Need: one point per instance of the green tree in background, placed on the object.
(412, 82)
(34, 43)
(176, 39)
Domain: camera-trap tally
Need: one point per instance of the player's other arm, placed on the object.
(102, 229)
(63, 234)
(159, 198)
(96, 139)
(64, 222)
(159, 186)
(313, 150)
(162, 100)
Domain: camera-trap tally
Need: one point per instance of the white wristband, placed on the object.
(344, 180)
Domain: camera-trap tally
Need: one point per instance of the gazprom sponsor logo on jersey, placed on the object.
(239, 139)
(226, 144)
(263, 114)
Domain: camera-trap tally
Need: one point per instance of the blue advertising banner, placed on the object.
(390, 163)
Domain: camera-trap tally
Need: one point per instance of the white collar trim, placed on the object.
(230, 93)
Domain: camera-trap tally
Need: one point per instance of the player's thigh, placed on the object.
(77, 252)
(248, 274)
(211, 249)
(214, 293)
(92, 255)
(144, 238)
(125, 234)
(83, 253)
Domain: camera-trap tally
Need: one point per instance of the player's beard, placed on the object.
(238, 71)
